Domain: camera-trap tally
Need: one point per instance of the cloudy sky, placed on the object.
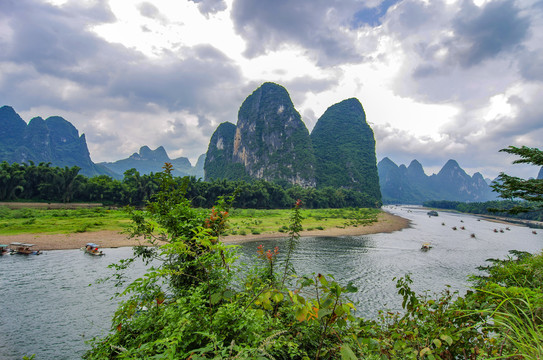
(438, 79)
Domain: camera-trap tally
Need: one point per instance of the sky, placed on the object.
(438, 79)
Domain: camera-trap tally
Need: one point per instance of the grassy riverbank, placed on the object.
(242, 221)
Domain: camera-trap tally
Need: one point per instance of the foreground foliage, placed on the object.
(197, 302)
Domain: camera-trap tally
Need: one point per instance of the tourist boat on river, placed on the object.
(23, 249)
(93, 249)
(426, 247)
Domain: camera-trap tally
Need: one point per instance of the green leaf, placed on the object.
(322, 279)
(437, 343)
(347, 353)
(351, 288)
(447, 339)
(215, 298)
(301, 313)
(277, 297)
(425, 351)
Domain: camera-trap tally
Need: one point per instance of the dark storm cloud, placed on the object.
(448, 37)
(178, 84)
(530, 65)
(314, 24)
(52, 40)
(488, 31)
(51, 58)
(207, 7)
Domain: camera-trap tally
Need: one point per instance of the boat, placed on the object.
(23, 249)
(426, 247)
(93, 249)
(4, 249)
(432, 213)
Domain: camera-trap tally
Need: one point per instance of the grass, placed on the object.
(60, 221)
(272, 221)
(242, 221)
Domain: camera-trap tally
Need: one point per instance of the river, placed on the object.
(47, 307)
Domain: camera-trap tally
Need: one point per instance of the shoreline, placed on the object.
(386, 223)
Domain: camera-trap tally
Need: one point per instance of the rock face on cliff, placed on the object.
(412, 186)
(270, 142)
(344, 148)
(219, 160)
(148, 161)
(53, 140)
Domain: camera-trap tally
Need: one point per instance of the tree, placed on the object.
(511, 187)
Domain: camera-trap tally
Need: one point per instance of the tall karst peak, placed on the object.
(271, 141)
(344, 147)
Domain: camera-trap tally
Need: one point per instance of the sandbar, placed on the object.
(386, 223)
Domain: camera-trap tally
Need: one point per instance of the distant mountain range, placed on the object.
(152, 161)
(269, 142)
(53, 140)
(410, 185)
(56, 141)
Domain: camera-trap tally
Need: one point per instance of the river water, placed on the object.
(47, 307)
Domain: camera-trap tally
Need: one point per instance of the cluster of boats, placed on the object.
(19, 248)
(29, 249)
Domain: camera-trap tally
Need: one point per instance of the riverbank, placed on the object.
(385, 223)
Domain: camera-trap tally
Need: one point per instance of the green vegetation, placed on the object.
(196, 302)
(29, 182)
(345, 150)
(511, 187)
(242, 221)
(60, 221)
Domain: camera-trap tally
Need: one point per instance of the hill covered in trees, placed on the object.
(344, 149)
(270, 142)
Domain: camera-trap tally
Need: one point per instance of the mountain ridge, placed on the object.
(411, 185)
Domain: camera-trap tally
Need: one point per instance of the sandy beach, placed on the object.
(108, 239)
